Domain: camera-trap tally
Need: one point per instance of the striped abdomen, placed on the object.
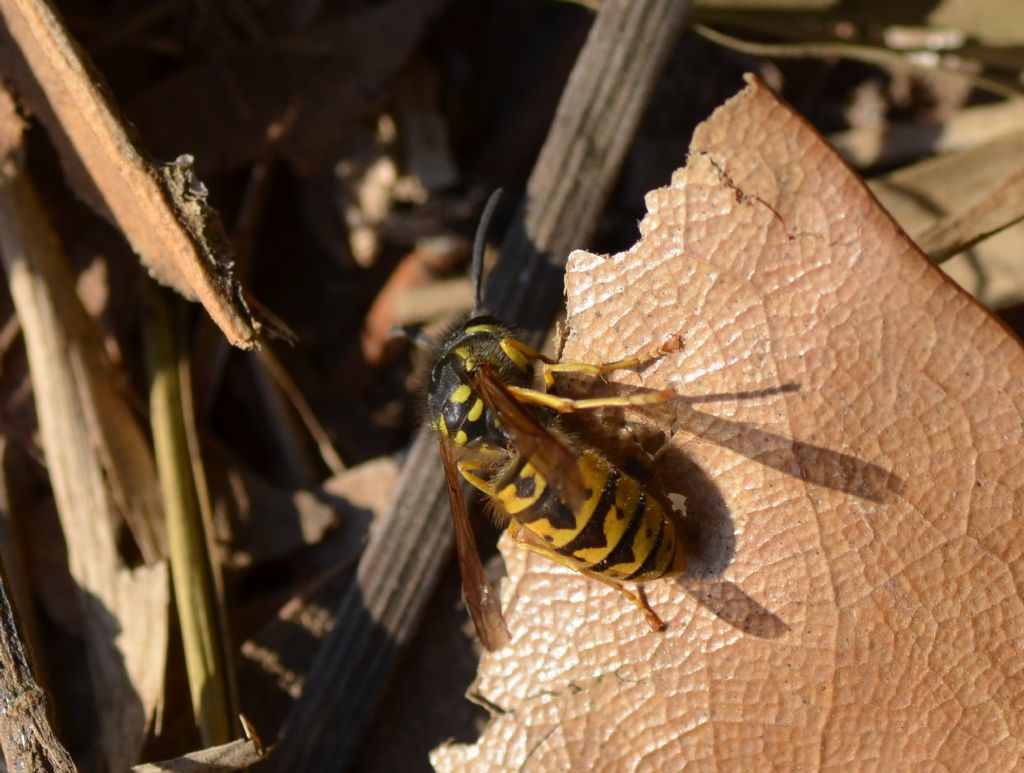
(621, 532)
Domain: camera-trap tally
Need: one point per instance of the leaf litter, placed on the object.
(793, 479)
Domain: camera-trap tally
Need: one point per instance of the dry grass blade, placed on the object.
(921, 195)
(124, 609)
(901, 610)
(196, 585)
(162, 211)
(328, 454)
(1001, 207)
(123, 449)
(951, 203)
(945, 204)
(623, 55)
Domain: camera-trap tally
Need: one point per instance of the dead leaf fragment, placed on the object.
(903, 611)
(161, 210)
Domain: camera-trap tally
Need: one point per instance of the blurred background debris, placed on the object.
(318, 169)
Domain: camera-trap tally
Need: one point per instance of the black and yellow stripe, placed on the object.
(621, 532)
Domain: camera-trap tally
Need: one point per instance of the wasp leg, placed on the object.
(638, 598)
(484, 456)
(569, 405)
(468, 470)
(550, 367)
(590, 369)
(523, 352)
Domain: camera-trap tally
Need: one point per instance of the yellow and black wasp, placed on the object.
(562, 498)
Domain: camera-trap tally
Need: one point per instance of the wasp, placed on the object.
(562, 498)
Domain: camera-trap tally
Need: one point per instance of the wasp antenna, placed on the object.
(478, 249)
(415, 335)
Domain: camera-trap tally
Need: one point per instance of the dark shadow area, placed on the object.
(429, 699)
(272, 663)
(117, 697)
(439, 667)
(1013, 318)
(815, 464)
(710, 533)
(704, 521)
(812, 463)
(728, 602)
(74, 635)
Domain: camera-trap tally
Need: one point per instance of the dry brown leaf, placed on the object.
(161, 210)
(416, 269)
(370, 486)
(873, 512)
(257, 521)
(997, 23)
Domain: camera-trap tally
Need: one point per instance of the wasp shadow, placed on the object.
(710, 534)
(696, 505)
(813, 463)
(705, 520)
(809, 462)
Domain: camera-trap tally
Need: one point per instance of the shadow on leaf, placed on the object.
(815, 464)
(711, 537)
(821, 466)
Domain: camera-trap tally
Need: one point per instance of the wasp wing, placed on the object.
(546, 452)
(481, 600)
